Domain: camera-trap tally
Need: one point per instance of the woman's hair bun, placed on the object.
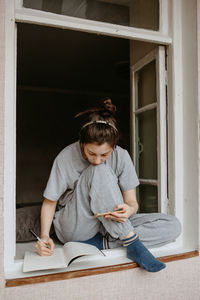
(105, 109)
(109, 106)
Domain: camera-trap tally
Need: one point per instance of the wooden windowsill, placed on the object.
(88, 272)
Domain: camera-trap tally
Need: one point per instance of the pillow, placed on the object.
(28, 218)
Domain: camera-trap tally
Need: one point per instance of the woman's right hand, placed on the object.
(41, 249)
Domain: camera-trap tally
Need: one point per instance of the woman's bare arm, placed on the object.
(47, 214)
(130, 199)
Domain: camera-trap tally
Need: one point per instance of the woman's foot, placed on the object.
(97, 241)
(137, 252)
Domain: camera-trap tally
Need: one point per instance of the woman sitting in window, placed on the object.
(92, 176)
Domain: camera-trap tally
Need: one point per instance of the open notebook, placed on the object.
(61, 257)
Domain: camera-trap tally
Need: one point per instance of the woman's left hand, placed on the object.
(120, 216)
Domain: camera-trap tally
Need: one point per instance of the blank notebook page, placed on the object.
(33, 261)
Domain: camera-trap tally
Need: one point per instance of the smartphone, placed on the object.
(108, 212)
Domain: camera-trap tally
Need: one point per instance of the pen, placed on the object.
(39, 239)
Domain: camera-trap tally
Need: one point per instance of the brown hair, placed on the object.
(99, 124)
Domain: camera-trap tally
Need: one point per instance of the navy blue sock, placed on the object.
(137, 252)
(97, 241)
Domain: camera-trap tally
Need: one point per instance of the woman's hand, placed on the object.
(41, 249)
(121, 216)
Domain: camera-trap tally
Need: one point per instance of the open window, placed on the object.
(55, 82)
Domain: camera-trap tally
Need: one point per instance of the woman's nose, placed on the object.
(97, 161)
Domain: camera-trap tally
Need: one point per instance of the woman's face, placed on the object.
(96, 154)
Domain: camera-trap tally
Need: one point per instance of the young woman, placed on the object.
(92, 176)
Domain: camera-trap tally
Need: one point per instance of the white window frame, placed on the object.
(15, 13)
(157, 55)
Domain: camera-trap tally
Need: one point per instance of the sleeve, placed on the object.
(127, 176)
(56, 184)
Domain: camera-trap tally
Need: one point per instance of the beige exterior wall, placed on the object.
(198, 61)
(2, 83)
(180, 280)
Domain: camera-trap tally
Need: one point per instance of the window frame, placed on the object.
(170, 37)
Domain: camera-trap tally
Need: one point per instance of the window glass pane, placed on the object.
(145, 14)
(147, 84)
(147, 140)
(141, 14)
(148, 199)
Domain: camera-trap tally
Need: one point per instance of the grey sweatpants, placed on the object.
(97, 191)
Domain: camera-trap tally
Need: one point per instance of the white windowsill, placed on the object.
(113, 257)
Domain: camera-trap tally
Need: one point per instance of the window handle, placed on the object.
(140, 148)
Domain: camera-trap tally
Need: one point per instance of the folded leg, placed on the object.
(156, 229)
(96, 191)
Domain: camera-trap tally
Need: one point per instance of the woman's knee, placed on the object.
(101, 174)
(101, 169)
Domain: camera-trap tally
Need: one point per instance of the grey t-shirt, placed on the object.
(69, 164)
